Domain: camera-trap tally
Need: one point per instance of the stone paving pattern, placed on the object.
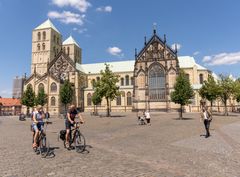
(119, 147)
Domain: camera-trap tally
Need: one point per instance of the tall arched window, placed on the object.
(129, 99)
(118, 100)
(89, 99)
(122, 81)
(39, 36)
(188, 77)
(40, 86)
(43, 46)
(38, 47)
(53, 87)
(127, 79)
(68, 50)
(98, 78)
(156, 83)
(53, 101)
(44, 35)
(132, 80)
(201, 78)
(64, 50)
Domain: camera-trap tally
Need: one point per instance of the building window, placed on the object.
(68, 51)
(129, 99)
(64, 50)
(98, 78)
(38, 47)
(43, 46)
(141, 80)
(40, 86)
(188, 77)
(132, 81)
(53, 87)
(118, 100)
(201, 78)
(122, 81)
(39, 36)
(53, 101)
(93, 82)
(127, 79)
(156, 83)
(44, 35)
(89, 99)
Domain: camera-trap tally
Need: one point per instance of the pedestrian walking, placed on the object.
(206, 116)
(148, 117)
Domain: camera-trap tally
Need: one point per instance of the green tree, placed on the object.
(41, 98)
(226, 90)
(28, 98)
(237, 90)
(96, 99)
(209, 90)
(106, 86)
(66, 94)
(183, 91)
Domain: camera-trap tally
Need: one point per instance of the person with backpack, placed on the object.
(206, 116)
(70, 120)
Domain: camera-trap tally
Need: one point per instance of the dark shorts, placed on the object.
(68, 124)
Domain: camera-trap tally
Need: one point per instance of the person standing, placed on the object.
(148, 117)
(207, 118)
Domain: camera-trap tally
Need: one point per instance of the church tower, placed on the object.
(72, 49)
(46, 43)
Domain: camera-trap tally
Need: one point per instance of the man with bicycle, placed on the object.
(70, 121)
(38, 123)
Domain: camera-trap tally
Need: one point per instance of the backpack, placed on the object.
(62, 134)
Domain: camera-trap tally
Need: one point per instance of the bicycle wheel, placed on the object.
(80, 142)
(44, 146)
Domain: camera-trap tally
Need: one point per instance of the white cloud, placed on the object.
(222, 59)
(81, 5)
(115, 51)
(104, 9)
(67, 17)
(80, 30)
(196, 53)
(173, 46)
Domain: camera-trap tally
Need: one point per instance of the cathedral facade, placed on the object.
(145, 82)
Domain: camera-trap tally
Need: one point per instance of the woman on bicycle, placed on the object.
(70, 120)
(37, 124)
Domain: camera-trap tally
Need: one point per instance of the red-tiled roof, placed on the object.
(10, 102)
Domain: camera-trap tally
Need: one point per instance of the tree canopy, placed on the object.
(28, 98)
(41, 98)
(66, 93)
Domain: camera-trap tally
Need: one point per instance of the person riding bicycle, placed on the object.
(38, 123)
(70, 120)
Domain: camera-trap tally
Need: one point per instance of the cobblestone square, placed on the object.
(118, 146)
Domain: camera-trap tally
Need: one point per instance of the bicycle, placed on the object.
(76, 137)
(42, 143)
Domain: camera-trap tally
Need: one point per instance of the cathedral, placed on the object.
(145, 83)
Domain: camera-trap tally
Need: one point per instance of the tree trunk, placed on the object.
(108, 110)
(226, 111)
(211, 106)
(65, 114)
(181, 110)
(27, 111)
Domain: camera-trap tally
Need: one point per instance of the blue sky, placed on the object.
(110, 30)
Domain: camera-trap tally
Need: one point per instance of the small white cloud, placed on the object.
(80, 30)
(115, 51)
(67, 17)
(222, 59)
(104, 9)
(196, 53)
(81, 5)
(173, 46)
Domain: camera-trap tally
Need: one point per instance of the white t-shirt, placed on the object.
(205, 115)
(147, 114)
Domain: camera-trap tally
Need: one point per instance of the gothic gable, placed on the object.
(156, 49)
(61, 67)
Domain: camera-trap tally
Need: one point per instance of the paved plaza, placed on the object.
(119, 147)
